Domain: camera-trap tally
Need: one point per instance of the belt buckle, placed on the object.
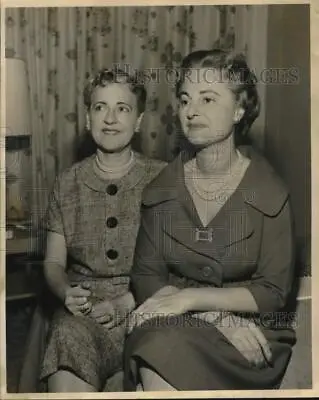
(204, 235)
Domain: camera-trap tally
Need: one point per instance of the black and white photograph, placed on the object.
(157, 198)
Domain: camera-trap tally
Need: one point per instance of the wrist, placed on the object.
(193, 298)
(129, 302)
(190, 299)
(167, 290)
(61, 293)
(125, 303)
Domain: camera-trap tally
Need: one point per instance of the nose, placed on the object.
(109, 117)
(192, 111)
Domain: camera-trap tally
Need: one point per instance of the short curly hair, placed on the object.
(242, 80)
(116, 75)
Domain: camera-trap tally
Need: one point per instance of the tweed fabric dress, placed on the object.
(99, 220)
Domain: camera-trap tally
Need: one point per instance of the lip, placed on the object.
(110, 131)
(196, 126)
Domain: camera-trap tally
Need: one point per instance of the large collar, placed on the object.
(260, 187)
(85, 172)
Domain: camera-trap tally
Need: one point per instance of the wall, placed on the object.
(257, 26)
(287, 127)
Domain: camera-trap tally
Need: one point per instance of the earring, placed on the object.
(138, 123)
(238, 116)
(88, 124)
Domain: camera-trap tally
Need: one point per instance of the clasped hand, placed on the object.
(76, 300)
(78, 303)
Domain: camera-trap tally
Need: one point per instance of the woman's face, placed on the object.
(113, 116)
(207, 107)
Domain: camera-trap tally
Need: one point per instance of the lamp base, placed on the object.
(18, 177)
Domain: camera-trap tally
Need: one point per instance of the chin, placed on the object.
(113, 149)
(200, 142)
(203, 142)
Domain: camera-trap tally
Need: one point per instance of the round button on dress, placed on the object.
(111, 222)
(112, 189)
(112, 254)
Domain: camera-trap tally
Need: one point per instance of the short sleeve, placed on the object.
(54, 220)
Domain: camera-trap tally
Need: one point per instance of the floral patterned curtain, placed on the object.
(62, 46)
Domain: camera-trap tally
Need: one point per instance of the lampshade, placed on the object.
(17, 98)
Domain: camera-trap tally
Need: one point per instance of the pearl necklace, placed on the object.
(219, 193)
(115, 170)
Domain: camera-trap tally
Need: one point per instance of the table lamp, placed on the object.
(17, 135)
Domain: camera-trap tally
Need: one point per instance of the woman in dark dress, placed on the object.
(93, 220)
(214, 259)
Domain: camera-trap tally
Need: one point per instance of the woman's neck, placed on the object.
(217, 159)
(114, 160)
(114, 165)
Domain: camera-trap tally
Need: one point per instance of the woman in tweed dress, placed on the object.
(93, 219)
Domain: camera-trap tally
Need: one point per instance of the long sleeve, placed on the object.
(149, 272)
(271, 284)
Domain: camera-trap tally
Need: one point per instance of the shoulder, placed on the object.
(153, 163)
(69, 177)
(151, 166)
(165, 185)
(263, 188)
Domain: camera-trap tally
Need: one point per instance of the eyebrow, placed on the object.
(123, 103)
(118, 103)
(202, 92)
(209, 91)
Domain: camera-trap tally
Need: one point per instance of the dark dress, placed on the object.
(251, 246)
(99, 220)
